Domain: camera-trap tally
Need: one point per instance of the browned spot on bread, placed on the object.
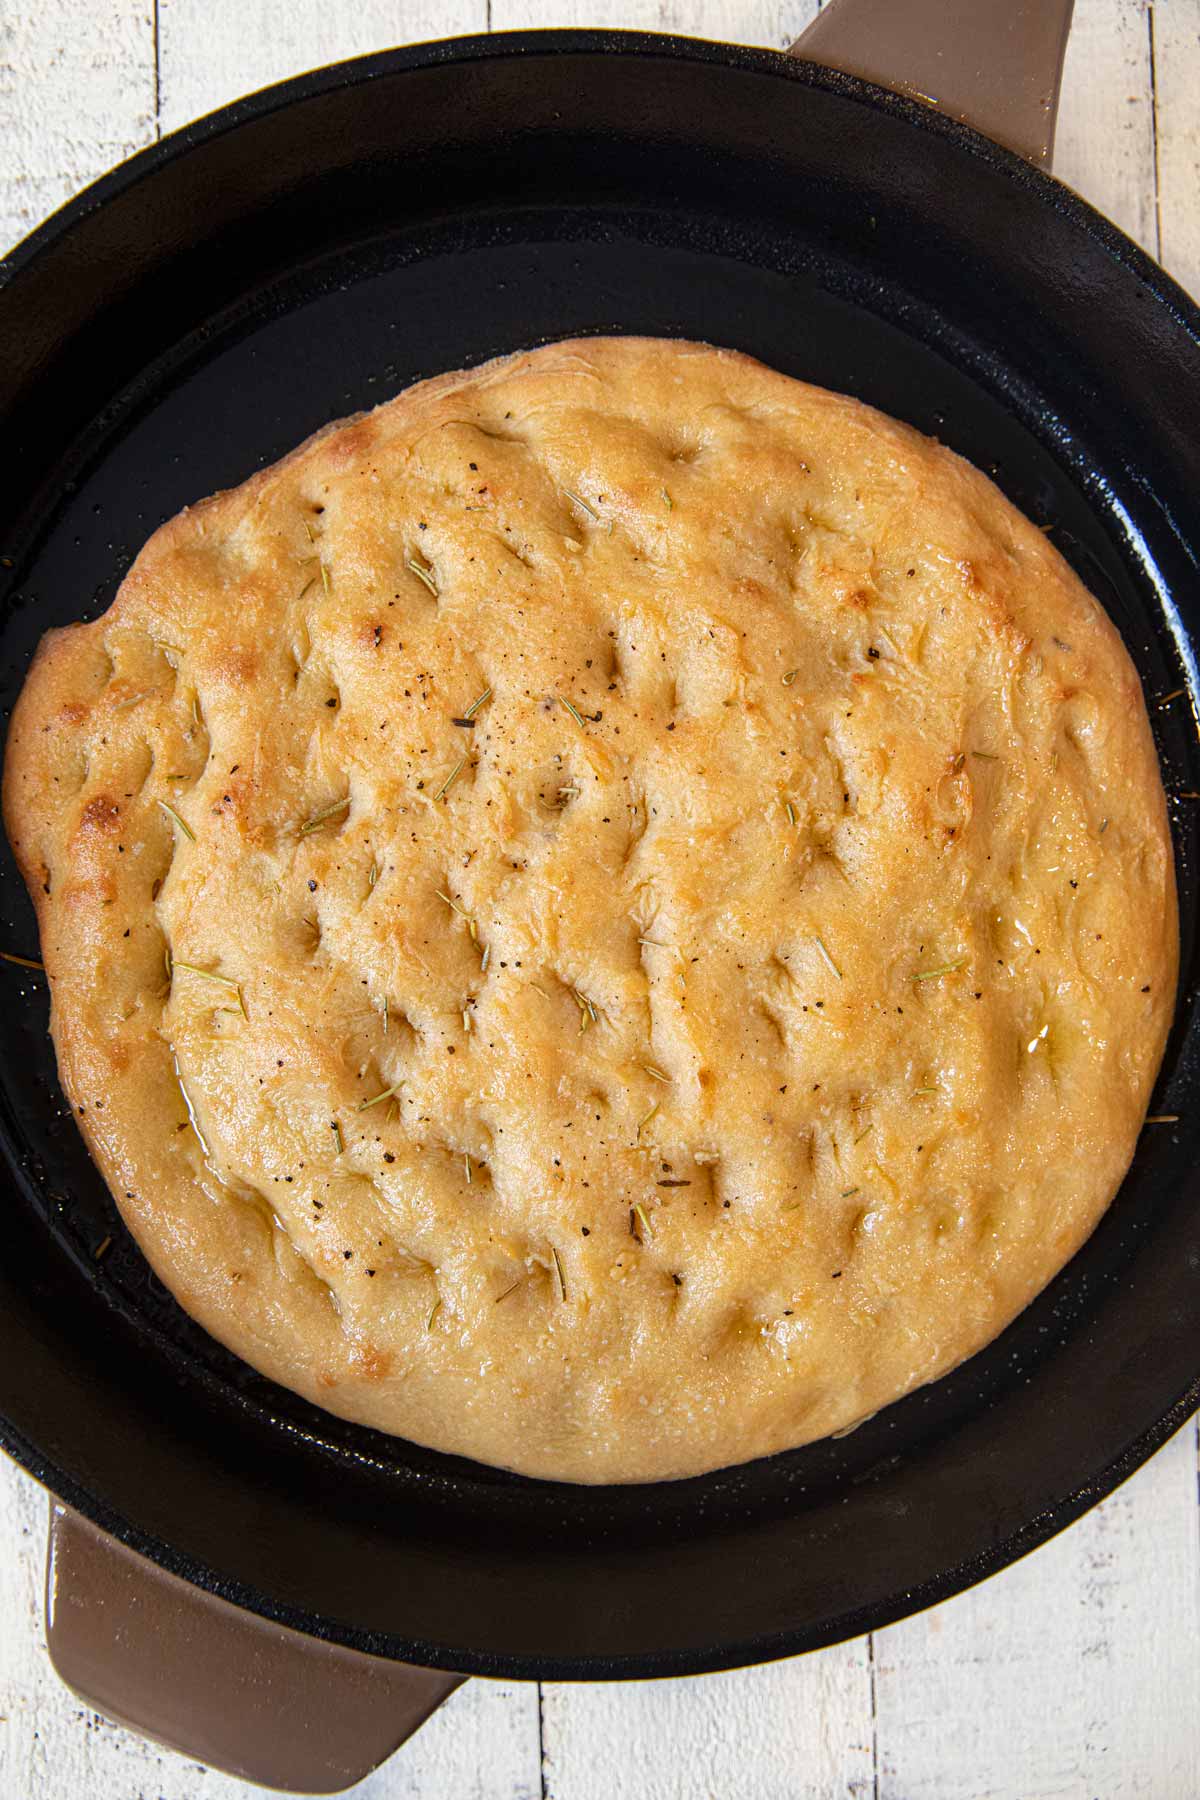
(235, 665)
(372, 1363)
(100, 814)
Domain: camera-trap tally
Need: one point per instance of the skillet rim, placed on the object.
(1044, 189)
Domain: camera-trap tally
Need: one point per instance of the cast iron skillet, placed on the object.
(308, 252)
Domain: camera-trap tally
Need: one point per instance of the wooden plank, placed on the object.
(1071, 1675)
(1105, 143)
(797, 1730)
(212, 51)
(773, 23)
(1175, 36)
(76, 96)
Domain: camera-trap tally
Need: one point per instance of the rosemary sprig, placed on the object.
(927, 1090)
(22, 962)
(1162, 1119)
(655, 1074)
(640, 1234)
(667, 500)
(461, 911)
(943, 969)
(467, 1166)
(846, 1192)
(224, 981)
(320, 818)
(102, 1249)
(476, 704)
(558, 1270)
(451, 778)
(790, 677)
(509, 1290)
(422, 574)
(642, 1123)
(434, 1310)
(339, 1141)
(790, 810)
(826, 958)
(573, 710)
(579, 501)
(387, 1094)
(181, 822)
(325, 578)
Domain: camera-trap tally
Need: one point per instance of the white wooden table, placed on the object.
(1073, 1676)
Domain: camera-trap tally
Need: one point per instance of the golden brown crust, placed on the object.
(772, 973)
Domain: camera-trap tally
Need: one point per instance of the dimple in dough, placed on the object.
(611, 916)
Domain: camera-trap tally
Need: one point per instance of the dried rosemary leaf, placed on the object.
(579, 501)
(224, 981)
(320, 818)
(451, 778)
(387, 1094)
(942, 969)
(826, 958)
(422, 574)
(182, 823)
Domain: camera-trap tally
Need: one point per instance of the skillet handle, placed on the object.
(222, 1685)
(995, 64)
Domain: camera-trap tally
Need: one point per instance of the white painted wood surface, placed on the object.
(1072, 1676)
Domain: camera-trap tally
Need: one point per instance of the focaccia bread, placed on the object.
(611, 916)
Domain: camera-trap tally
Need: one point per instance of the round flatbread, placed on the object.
(611, 916)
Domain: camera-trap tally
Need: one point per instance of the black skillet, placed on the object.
(306, 253)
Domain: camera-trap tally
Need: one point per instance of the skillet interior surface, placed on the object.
(307, 253)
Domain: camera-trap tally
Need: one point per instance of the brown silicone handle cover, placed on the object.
(996, 64)
(222, 1685)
